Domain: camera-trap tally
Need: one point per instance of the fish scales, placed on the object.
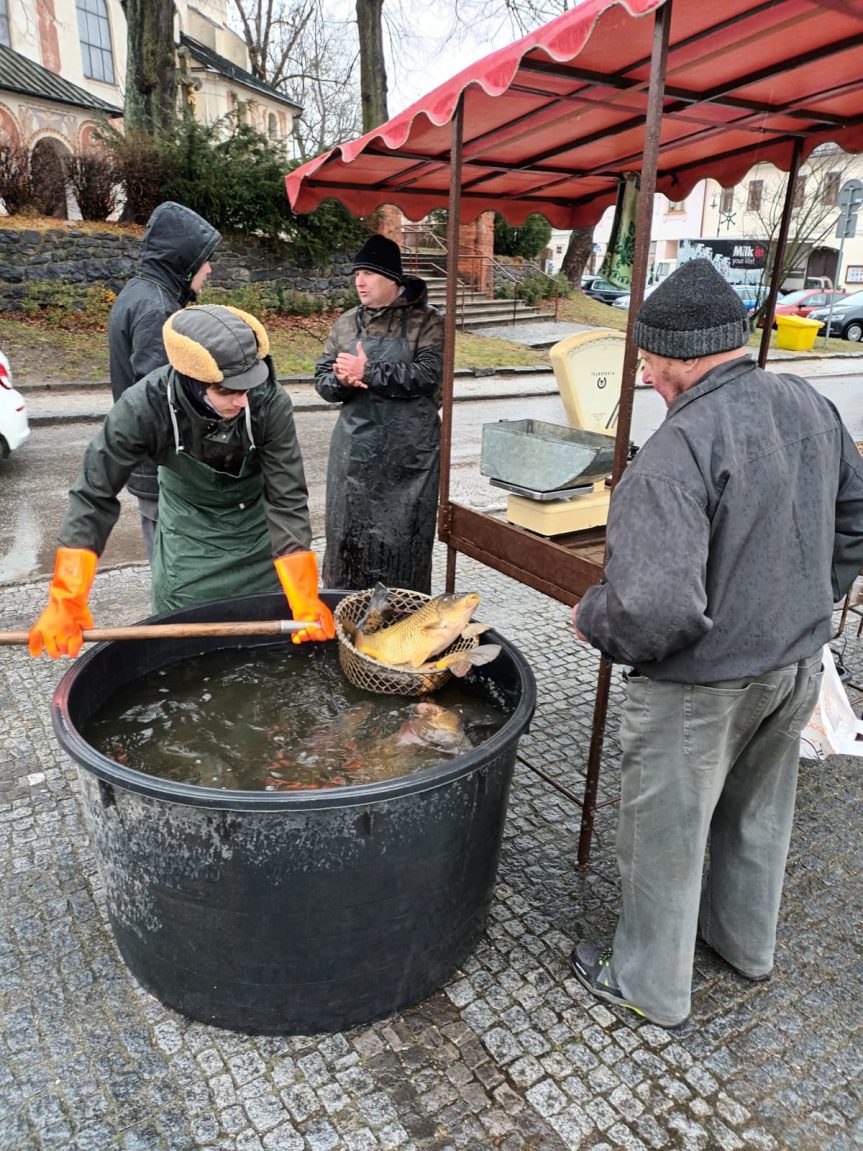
(425, 633)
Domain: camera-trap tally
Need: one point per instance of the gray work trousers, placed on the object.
(705, 764)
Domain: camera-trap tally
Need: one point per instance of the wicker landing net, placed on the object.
(370, 675)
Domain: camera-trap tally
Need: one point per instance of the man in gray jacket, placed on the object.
(730, 536)
(173, 265)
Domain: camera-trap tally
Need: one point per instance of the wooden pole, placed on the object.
(176, 630)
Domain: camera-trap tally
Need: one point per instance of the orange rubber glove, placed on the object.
(58, 629)
(298, 575)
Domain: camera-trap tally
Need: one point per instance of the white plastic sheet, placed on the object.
(833, 729)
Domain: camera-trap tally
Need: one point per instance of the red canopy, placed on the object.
(553, 120)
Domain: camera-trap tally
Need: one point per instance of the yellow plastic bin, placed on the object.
(796, 334)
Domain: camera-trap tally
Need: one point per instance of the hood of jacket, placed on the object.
(176, 243)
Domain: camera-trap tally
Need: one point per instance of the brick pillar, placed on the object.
(485, 248)
(468, 265)
(390, 222)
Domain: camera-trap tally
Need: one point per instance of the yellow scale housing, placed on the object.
(588, 368)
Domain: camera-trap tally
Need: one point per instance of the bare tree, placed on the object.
(150, 105)
(373, 71)
(273, 34)
(814, 209)
(323, 81)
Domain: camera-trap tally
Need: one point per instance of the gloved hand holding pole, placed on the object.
(59, 629)
(298, 575)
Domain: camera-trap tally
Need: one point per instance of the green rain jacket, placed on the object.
(139, 426)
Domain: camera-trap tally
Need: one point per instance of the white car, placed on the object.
(14, 428)
(623, 301)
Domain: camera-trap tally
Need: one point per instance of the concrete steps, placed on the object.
(474, 309)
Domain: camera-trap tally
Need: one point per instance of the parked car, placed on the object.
(806, 300)
(623, 301)
(751, 294)
(14, 428)
(846, 319)
(599, 289)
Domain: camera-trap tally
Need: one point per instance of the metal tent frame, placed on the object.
(551, 124)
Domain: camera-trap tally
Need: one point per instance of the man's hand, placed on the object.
(349, 369)
(580, 634)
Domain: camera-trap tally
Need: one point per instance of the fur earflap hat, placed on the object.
(695, 312)
(382, 255)
(216, 344)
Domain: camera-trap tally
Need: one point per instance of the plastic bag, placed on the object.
(833, 728)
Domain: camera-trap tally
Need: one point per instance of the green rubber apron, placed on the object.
(211, 539)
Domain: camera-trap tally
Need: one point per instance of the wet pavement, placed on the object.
(511, 1052)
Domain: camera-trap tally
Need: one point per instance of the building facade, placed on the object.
(63, 68)
(750, 212)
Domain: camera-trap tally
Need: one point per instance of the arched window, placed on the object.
(94, 32)
(273, 126)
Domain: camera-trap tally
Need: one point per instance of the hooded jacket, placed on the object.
(176, 244)
(732, 533)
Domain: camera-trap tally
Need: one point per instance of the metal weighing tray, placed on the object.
(557, 494)
(543, 457)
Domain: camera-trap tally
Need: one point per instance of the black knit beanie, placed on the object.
(695, 312)
(380, 254)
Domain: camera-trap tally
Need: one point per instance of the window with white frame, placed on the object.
(753, 201)
(94, 32)
(4, 24)
(273, 126)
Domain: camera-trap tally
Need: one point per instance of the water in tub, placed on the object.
(284, 719)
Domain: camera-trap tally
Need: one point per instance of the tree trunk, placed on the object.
(151, 70)
(373, 72)
(577, 254)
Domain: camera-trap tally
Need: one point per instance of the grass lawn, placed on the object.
(42, 355)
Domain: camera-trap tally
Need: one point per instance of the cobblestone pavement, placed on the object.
(511, 1053)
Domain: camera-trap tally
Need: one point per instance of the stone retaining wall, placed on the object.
(72, 256)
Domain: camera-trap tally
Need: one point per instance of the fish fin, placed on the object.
(474, 629)
(460, 662)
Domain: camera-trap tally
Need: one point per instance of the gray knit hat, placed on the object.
(695, 312)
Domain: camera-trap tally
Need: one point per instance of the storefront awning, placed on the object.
(552, 121)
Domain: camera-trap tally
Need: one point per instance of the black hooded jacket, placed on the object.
(176, 243)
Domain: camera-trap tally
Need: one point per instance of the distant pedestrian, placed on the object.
(383, 362)
(173, 265)
(730, 536)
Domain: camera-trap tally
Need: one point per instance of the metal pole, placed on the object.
(655, 95)
(832, 294)
(452, 234)
(779, 254)
(644, 219)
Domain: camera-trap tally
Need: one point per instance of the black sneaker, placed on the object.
(592, 968)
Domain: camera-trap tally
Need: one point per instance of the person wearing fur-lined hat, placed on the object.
(233, 501)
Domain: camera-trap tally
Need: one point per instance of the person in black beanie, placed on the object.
(730, 536)
(383, 362)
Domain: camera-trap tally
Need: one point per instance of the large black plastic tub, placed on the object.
(290, 913)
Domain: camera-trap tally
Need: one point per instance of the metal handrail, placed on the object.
(412, 233)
